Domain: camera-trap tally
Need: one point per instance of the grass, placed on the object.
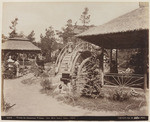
(107, 105)
(133, 106)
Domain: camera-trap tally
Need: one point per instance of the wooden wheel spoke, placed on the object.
(135, 81)
(127, 81)
(116, 80)
(126, 78)
(137, 84)
(110, 83)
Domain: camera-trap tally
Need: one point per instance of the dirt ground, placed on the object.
(31, 102)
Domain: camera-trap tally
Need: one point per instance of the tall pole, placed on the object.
(102, 65)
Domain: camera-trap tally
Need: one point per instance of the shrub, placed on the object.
(93, 86)
(9, 72)
(46, 84)
(119, 94)
(70, 98)
(37, 70)
(137, 61)
(92, 89)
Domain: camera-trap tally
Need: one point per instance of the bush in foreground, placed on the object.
(46, 84)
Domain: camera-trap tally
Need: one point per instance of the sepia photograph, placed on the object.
(75, 61)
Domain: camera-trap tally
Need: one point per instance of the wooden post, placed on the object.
(102, 65)
(110, 58)
(117, 60)
(2, 89)
(116, 56)
(145, 69)
(145, 82)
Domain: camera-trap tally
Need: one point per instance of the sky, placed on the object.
(38, 16)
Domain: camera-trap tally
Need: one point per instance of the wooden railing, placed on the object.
(124, 79)
(83, 46)
(60, 57)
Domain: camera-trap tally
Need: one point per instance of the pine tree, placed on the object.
(67, 32)
(47, 42)
(85, 18)
(31, 36)
(13, 28)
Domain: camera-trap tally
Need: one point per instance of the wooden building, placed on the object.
(128, 31)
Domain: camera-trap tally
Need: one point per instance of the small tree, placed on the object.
(85, 18)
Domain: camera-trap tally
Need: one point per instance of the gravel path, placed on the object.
(30, 102)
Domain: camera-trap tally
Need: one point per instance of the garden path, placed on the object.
(30, 102)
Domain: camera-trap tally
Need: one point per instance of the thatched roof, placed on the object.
(19, 38)
(16, 45)
(80, 28)
(133, 25)
(135, 20)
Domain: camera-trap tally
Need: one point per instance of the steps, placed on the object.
(65, 63)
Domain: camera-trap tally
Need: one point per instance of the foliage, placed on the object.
(67, 32)
(37, 70)
(68, 98)
(67, 93)
(85, 18)
(14, 34)
(93, 85)
(46, 84)
(4, 38)
(31, 36)
(137, 61)
(13, 28)
(47, 42)
(119, 94)
(92, 89)
(9, 72)
(116, 107)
